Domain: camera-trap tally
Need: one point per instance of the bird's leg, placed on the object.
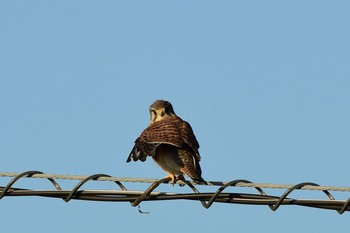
(182, 178)
(173, 178)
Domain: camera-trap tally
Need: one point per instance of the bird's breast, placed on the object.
(167, 157)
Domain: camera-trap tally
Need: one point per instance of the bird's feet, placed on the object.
(175, 178)
(182, 178)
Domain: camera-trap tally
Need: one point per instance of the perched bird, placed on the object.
(171, 143)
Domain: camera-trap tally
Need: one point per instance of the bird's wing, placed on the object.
(160, 132)
(141, 150)
(188, 136)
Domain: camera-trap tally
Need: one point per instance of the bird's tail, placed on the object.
(194, 172)
(200, 180)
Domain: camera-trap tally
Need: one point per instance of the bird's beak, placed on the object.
(161, 113)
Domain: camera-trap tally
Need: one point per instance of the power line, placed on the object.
(206, 198)
(148, 180)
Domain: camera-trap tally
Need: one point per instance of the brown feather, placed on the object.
(172, 144)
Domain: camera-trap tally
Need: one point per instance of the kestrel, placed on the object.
(171, 143)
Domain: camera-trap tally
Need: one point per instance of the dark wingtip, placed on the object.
(132, 155)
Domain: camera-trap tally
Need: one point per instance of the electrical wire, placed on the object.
(135, 197)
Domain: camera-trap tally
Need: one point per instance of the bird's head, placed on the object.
(161, 110)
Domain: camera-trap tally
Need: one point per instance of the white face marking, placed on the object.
(158, 114)
(161, 110)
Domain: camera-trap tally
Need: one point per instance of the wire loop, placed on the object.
(206, 198)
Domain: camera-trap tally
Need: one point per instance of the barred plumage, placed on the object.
(171, 143)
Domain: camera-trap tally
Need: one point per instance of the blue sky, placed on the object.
(264, 84)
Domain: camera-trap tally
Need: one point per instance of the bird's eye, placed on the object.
(154, 112)
(168, 110)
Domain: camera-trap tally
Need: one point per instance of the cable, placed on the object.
(205, 198)
(210, 183)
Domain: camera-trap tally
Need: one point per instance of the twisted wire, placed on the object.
(205, 198)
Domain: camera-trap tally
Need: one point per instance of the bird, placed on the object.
(171, 143)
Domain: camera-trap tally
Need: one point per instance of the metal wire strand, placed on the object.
(26, 174)
(206, 198)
